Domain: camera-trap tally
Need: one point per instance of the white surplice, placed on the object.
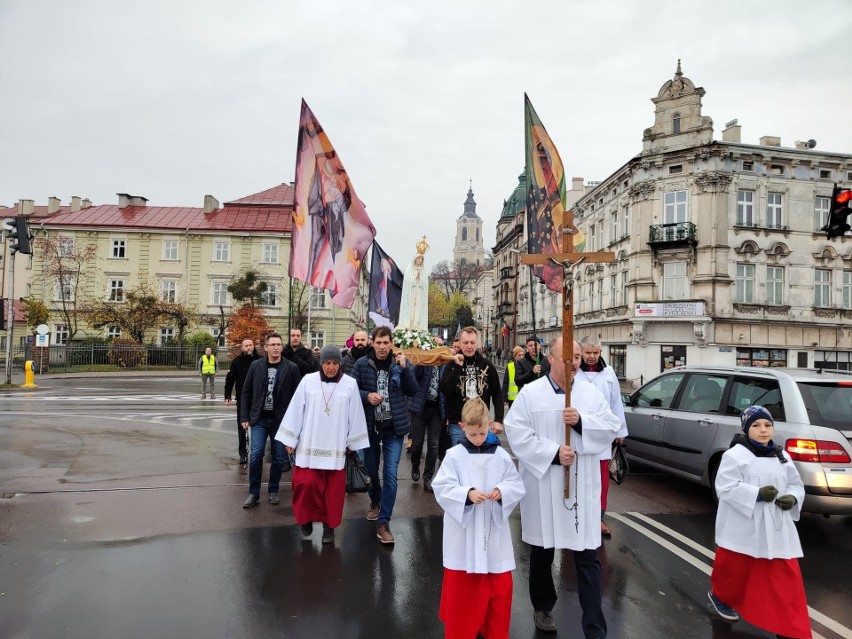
(756, 528)
(535, 431)
(321, 437)
(470, 529)
(606, 381)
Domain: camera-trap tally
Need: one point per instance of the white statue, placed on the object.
(414, 304)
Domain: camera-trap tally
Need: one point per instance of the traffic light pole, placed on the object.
(10, 324)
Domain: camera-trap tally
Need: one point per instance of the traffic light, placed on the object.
(19, 237)
(839, 211)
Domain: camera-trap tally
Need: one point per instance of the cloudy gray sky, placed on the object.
(172, 100)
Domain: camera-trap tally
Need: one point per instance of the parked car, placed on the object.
(682, 421)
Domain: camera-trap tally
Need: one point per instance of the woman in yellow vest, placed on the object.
(208, 367)
(510, 388)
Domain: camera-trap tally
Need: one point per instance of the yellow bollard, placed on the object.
(29, 375)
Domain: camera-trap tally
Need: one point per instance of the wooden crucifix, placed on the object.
(568, 259)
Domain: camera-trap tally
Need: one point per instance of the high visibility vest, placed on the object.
(208, 366)
(513, 387)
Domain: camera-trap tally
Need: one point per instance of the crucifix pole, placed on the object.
(568, 259)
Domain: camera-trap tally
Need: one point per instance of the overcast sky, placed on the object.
(172, 100)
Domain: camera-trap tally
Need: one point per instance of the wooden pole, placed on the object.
(567, 334)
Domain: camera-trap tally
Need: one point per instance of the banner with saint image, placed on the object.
(385, 288)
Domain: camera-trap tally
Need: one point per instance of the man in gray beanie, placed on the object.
(324, 422)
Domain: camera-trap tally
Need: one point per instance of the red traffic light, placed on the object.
(844, 196)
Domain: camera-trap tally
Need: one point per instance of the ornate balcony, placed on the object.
(680, 233)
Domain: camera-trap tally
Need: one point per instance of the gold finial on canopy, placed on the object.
(422, 246)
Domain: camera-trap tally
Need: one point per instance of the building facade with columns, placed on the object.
(719, 254)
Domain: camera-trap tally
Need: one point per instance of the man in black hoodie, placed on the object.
(470, 375)
(296, 352)
(533, 365)
(360, 347)
(236, 376)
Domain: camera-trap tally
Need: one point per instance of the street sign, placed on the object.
(42, 329)
(42, 341)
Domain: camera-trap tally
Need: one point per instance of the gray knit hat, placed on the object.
(330, 354)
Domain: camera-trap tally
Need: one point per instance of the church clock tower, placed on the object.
(469, 243)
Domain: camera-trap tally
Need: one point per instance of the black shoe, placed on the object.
(427, 485)
(286, 468)
(251, 501)
(243, 460)
(273, 499)
(415, 474)
(327, 534)
(307, 531)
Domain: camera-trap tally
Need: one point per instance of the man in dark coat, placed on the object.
(296, 352)
(360, 347)
(235, 377)
(533, 366)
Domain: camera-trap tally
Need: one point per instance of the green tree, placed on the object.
(248, 288)
(139, 311)
(439, 308)
(459, 310)
(37, 312)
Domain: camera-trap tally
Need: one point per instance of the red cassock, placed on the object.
(318, 495)
(768, 593)
(476, 604)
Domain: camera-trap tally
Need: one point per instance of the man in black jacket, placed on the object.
(360, 347)
(470, 375)
(299, 355)
(533, 365)
(236, 376)
(270, 384)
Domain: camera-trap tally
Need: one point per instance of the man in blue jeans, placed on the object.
(267, 391)
(384, 380)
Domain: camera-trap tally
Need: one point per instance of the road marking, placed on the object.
(816, 615)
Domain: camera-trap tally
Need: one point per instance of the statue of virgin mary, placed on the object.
(414, 304)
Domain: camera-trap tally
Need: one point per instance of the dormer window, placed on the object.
(676, 123)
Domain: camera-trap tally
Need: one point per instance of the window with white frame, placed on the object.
(65, 246)
(113, 332)
(119, 249)
(592, 237)
(601, 235)
(847, 289)
(745, 208)
(269, 253)
(64, 289)
(775, 285)
(600, 292)
(170, 250)
(674, 211)
(221, 251)
(624, 278)
(745, 283)
(219, 294)
(269, 297)
(168, 291)
(167, 334)
(219, 335)
(592, 295)
(822, 287)
(116, 290)
(821, 206)
(318, 298)
(613, 227)
(773, 211)
(675, 282)
(317, 339)
(62, 333)
(613, 290)
(626, 220)
(676, 123)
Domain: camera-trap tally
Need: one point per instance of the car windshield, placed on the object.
(828, 405)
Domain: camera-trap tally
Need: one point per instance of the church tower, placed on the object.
(469, 243)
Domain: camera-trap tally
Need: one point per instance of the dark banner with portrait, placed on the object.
(385, 287)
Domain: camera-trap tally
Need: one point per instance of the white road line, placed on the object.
(816, 615)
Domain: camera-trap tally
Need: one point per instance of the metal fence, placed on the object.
(68, 358)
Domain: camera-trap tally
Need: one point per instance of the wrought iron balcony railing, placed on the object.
(679, 232)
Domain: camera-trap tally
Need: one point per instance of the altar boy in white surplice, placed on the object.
(478, 487)
(535, 427)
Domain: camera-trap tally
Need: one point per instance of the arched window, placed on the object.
(464, 234)
(676, 123)
(477, 234)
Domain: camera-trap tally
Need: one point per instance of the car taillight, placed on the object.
(809, 450)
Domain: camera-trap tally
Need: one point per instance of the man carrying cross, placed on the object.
(535, 427)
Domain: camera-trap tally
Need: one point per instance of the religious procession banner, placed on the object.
(331, 228)
(385, 288)
(545, 197)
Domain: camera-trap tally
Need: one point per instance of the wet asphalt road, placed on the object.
(121, 517)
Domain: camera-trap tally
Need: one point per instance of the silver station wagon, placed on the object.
(682, 421)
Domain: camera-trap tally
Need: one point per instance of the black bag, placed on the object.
(618, 466)
(357, 477)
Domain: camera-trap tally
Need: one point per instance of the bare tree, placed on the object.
(457, 277)
(298, 303)
(64, 264)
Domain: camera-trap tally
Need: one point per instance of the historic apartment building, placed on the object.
(188, 254)
(720, 257)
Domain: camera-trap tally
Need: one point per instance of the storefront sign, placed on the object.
(669, 309)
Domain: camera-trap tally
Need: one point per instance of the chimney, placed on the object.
(770, 140)
(53, 204)
(123, 200)
(577, 184)
(211, 204)
(86, 203)
(25, 207)
(731, 132)
(75, 203)
(138, 200)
